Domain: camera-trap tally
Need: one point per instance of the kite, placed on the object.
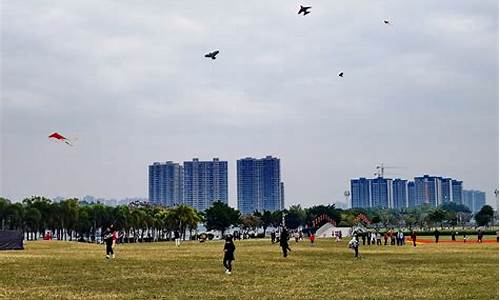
(212, 54)
(56, 136)
(341, 74)
(304, 9)
(387, 22)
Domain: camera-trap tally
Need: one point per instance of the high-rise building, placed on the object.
(446, 190)
(428, 190)
(474, 200)
(259, 184)
(360, 193)
(205, 182)
(282, 191)
(456, 191)
(165, 183)
(412, 201)
(381, 192)
(399, 194)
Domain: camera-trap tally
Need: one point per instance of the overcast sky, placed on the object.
(128, 79)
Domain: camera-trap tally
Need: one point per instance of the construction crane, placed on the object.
(380, 169)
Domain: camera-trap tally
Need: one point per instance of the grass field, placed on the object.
(70, 270)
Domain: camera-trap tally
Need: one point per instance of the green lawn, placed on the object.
(70, 270)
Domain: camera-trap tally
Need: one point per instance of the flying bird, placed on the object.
(387, 22)
(56, 136)
(341, 74)
(304, 9)
(212, 54)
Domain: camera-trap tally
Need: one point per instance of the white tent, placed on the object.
(327, 231)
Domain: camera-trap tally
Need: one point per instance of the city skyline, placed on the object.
(128, 83)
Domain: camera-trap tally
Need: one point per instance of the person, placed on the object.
(368, 238)
(391, 235)
(284, 242)
(354, 244)
(453, 236)
(273, 237)
(465, 237)
(312, 237)
(479, 236)
(177, 237)
(108, 239)
(340, 235)
(363, 237)
(379, 238)
(401, 238)
(414, 238)
(229, 249)
(386, 236)
(436, 235)
(114, 238)
(374, 238)
(497, 236)
(296, 236)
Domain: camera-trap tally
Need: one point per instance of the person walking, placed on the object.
(393, 238)
(414, 238)
(363, 237)
(296, 236)
(374, 238)
(177, 237)
(436, 235)
(284, 242)
(401, 238)
(386, 236)
(229, 249)
(453, 236)
(479, 236)
(354, 244)
(273, 237)
(108, 240)
(379, 238)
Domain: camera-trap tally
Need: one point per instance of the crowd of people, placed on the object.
(282, 236)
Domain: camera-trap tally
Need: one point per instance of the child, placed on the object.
(312, 238)
(228, 254)
(354, 244)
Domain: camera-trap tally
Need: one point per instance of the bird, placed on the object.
(304, 9)
(387, 22)
(212, 54)
(341, 74)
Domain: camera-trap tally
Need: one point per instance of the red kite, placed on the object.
(59, 137)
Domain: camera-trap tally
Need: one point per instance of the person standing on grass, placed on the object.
(379, 239)
(296, 236)
(414, 238)
(453, 236)
(386, 236)
(228, 254)
(312, 237)
(363, 237)
(284, 242)
(479, 236)
(177, 237)
(391, 235)
(354, 244)
(108, 240)
(273, 237)
(465, 237)
(114, 237)
(436, 235)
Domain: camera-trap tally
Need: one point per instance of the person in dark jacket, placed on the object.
(284, 242)
(177, 237)
(436, 235)
(108, 239)
(414, 238)
(480, 236)
(453, 235)
(229, 249)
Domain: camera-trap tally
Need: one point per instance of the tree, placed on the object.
(437, 215)
(220, 216)
(250, 222)
(484, 216)
(295, 216)
(267, 220)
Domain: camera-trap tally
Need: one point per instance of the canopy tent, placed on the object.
(11, 240)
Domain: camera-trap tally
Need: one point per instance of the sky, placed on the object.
(127, 81)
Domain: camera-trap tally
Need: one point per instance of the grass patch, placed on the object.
(69, 270)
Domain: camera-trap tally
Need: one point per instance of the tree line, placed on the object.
(71, 219)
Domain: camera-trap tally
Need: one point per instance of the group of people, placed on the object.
(390, 236)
